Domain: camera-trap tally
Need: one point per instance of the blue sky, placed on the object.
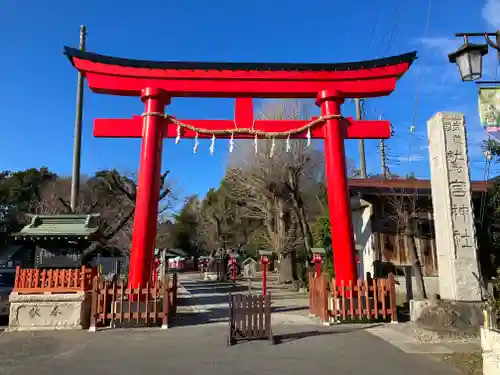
(37, 101)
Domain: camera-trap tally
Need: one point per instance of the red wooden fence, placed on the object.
(363, 300)
(318, 296)
(115, 305)
(34, 280)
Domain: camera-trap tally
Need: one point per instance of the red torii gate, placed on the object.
(157, 82)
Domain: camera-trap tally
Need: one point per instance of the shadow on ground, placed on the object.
(287, 337)
(206, 316)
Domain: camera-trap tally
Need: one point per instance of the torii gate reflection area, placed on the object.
(157, 82)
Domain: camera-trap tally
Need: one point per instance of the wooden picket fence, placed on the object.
(249, 318)
(364, 300)
(36, 281)
(318, 296)
(116, 305)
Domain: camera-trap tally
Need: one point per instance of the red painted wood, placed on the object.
(216, 88)
(129, 81)
(148, 190)
(338, 191)
(397, 69)
(132, 128)
(333, 87)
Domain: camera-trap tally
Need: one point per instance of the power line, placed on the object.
(377, 17)
(419, 82)
(395, 28)
(391, 23)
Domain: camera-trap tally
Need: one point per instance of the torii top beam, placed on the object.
(127, 77)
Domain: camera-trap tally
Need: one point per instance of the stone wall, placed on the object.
(431, 285)
(34, 312)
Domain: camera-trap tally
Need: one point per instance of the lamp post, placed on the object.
(469, 57)
(264, 261)
(318, 254)
(233, 264)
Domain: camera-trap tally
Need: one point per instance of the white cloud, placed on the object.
(491, 13)
(443, 45)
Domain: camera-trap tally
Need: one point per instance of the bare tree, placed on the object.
(405, 211)
(108, 193)
(263, 199)
(273, 182)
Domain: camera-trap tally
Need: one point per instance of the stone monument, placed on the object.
(452, 205)
(459, 306)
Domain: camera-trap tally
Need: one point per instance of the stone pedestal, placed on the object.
(451, 317)
(210, 276)
(36, 312)
(452, 207)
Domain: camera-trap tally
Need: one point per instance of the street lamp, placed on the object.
(469, 57)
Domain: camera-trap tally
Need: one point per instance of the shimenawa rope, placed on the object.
(244, 130)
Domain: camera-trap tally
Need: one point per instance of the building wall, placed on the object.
(387, 245)
(363, 236)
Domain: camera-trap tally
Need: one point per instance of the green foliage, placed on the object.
(494, 300)
(492, 241)
(18, 190)
(182, 232)
(303, 266)
(259, 241)
(323, 238)
(321, 230)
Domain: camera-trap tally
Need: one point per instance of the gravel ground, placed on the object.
(429, 337)
(470, 363)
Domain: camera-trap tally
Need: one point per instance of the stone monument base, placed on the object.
(212, 276)
(38, 312)
(452, 317)
(490, 342)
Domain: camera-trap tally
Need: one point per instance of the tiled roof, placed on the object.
(60, 227)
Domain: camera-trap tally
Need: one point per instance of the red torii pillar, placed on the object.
(157, 82)
(152, 127)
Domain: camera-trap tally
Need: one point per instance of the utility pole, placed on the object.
(77, 145)
(362, 157)
(383, 159)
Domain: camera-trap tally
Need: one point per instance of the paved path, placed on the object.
(338, 350)
(204, 302)
(199, 346)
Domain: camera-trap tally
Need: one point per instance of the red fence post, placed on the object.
(93, 306)
(392, 298)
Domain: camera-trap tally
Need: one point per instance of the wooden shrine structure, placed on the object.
(157, 83)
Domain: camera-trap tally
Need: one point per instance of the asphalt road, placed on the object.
(201, 348)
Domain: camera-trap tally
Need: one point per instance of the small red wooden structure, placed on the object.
(158, 82)
(35, 281)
